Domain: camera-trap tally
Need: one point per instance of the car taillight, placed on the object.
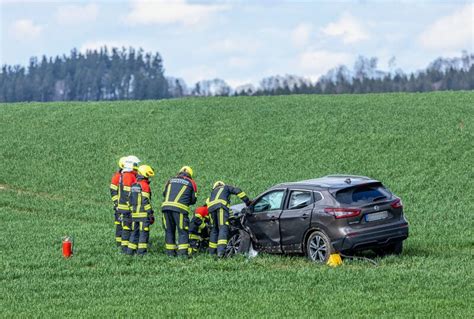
(397, 203)
(343, 212)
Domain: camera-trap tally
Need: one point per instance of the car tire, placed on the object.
(239, 243)
(318, 247)
(392, 249)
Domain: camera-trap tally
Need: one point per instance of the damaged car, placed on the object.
(318, 217)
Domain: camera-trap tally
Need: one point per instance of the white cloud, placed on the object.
(301, 34)
(25, 29)
(235, 45)
(239, 62)
(77, 14)
(197, 73)
(171, 12)
(451, 32)
(314, 63)
(348, 28)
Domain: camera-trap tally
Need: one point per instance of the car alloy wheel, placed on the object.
(318, 247)
(233, 245)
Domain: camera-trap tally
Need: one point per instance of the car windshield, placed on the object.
(362, 194)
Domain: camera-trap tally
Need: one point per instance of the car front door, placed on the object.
(264, 220)
(295, 219)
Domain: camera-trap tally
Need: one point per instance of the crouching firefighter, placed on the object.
(179, 194)
(114, 193)
(129, 177)
(142, 212)
(218, 206)
(199, 230)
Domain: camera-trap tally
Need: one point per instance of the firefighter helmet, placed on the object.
(146, 171)
(121, 162)
(217, 184)
(187, 169)
(132, 162)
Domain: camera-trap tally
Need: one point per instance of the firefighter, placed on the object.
(179, 194)
(218, 206)
(142, 212)
(199, 230)
(129, 177)
(114, 193)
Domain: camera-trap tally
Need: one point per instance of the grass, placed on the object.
(57, 160)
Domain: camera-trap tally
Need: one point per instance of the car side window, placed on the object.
(269, 201)
(300, 199)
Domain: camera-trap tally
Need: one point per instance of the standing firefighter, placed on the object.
(179, 194)
(129, 177)
(199, 230)
(114, 193)
(142, 212)
(218, 206)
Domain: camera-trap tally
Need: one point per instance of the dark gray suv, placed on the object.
(336, 213)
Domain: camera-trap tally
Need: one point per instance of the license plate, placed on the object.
(376, 216)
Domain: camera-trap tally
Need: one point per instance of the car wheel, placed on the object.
(239, 243)
(318, 247)
(392, 249)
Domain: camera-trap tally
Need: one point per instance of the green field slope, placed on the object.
(57, 160)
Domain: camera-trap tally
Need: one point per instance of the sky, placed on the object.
(243, 41)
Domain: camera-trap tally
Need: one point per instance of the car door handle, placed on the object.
(274, 218)
(305, 215)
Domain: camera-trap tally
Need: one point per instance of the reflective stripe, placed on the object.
(124, 242)
(139, 215)
(115, 198)
(218, 201)
(241, 195)
(183, 246)
(178, 205)
(146, 194)
(180, 194)
(117, 223)
(212, 245)
(126, 228)
(221, 216)
(142, 245)
(202, 226)
(118, 239)
(168, 191)
(141, 225)
(114, 187)
(164, 221)
(132, 246)
(147, 207)
(146, 228)
(181, 220)
(127, 188)
(222, 242)
(123, 207)
(194, 236)
(170, 246)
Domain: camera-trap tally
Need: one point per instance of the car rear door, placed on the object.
(264, 220)
(295, 219)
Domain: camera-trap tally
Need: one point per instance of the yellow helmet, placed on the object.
(146, 171)
(217, 184)
(121, 162)
(187, 169)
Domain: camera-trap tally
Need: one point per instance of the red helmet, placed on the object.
(202, 211)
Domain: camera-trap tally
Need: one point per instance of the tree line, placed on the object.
(120, 74)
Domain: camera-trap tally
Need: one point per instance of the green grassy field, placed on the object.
(57, 160)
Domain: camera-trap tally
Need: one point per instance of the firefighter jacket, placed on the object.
(179, 194)
(220, 197)
(114, 187)
(140, 199)
(200, 223)
(125, 185)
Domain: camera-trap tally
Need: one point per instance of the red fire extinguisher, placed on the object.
(67, 246)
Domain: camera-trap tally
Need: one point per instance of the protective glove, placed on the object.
(248, 203)
(152, 219)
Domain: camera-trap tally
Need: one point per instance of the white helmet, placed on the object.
(131, 163)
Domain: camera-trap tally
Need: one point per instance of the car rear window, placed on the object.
(362, 194)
